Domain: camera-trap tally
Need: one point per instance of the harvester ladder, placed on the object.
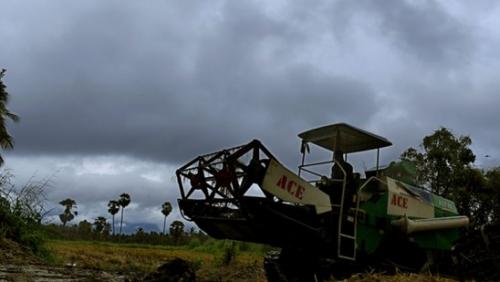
(346, 239)
(350, 237)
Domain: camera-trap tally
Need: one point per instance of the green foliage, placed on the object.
(445, 166)
(177, 231)
(85, 227)
(443, 161)
(6, 140)
(493, 194)
(403, 170)
(166, 209)
(84, 231)
(101, 226)
(21, 213)
(124, 201)
(113, 208)
(34, 239)
(68, 214)
(20, 210)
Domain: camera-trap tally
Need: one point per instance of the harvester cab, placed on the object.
(342, 185)
(319, 213)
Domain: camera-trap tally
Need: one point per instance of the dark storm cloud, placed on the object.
(115, 95)
(461, 105)
(131, 80)
(427, 31)
(422, 29)
(167, 81)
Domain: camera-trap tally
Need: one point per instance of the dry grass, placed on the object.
(146, 258)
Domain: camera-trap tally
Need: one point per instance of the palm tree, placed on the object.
(177, 231)
(67, 214)
(123, 201)
(113, 208)
(100, 224)
(6, 141)
(166, 208)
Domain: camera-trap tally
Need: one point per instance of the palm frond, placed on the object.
(13, 116)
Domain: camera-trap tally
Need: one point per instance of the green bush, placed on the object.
(21, 230)
(20, 215)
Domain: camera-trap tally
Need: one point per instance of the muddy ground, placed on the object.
(18, 265)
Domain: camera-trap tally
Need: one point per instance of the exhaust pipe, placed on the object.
(409, 226)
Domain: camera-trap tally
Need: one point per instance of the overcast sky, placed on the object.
(115, 95)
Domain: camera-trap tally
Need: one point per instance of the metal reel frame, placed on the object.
(225, 176)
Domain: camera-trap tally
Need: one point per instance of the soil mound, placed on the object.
(176, 270)
(13, 253)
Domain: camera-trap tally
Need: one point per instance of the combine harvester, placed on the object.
(325, 223)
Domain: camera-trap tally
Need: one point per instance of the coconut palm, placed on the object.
(6, 141)
(123, 201)
(113, 208)
(166, 208)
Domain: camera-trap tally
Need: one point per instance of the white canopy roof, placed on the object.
(344, 137)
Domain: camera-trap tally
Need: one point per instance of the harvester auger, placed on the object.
(326, 224)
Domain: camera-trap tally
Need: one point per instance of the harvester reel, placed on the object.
(226, 175)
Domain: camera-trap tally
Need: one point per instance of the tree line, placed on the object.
(101, 225)
(100, 230)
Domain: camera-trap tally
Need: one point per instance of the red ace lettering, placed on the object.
(291, 187)
(400, 201)
(300, 192)
(282, 182)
